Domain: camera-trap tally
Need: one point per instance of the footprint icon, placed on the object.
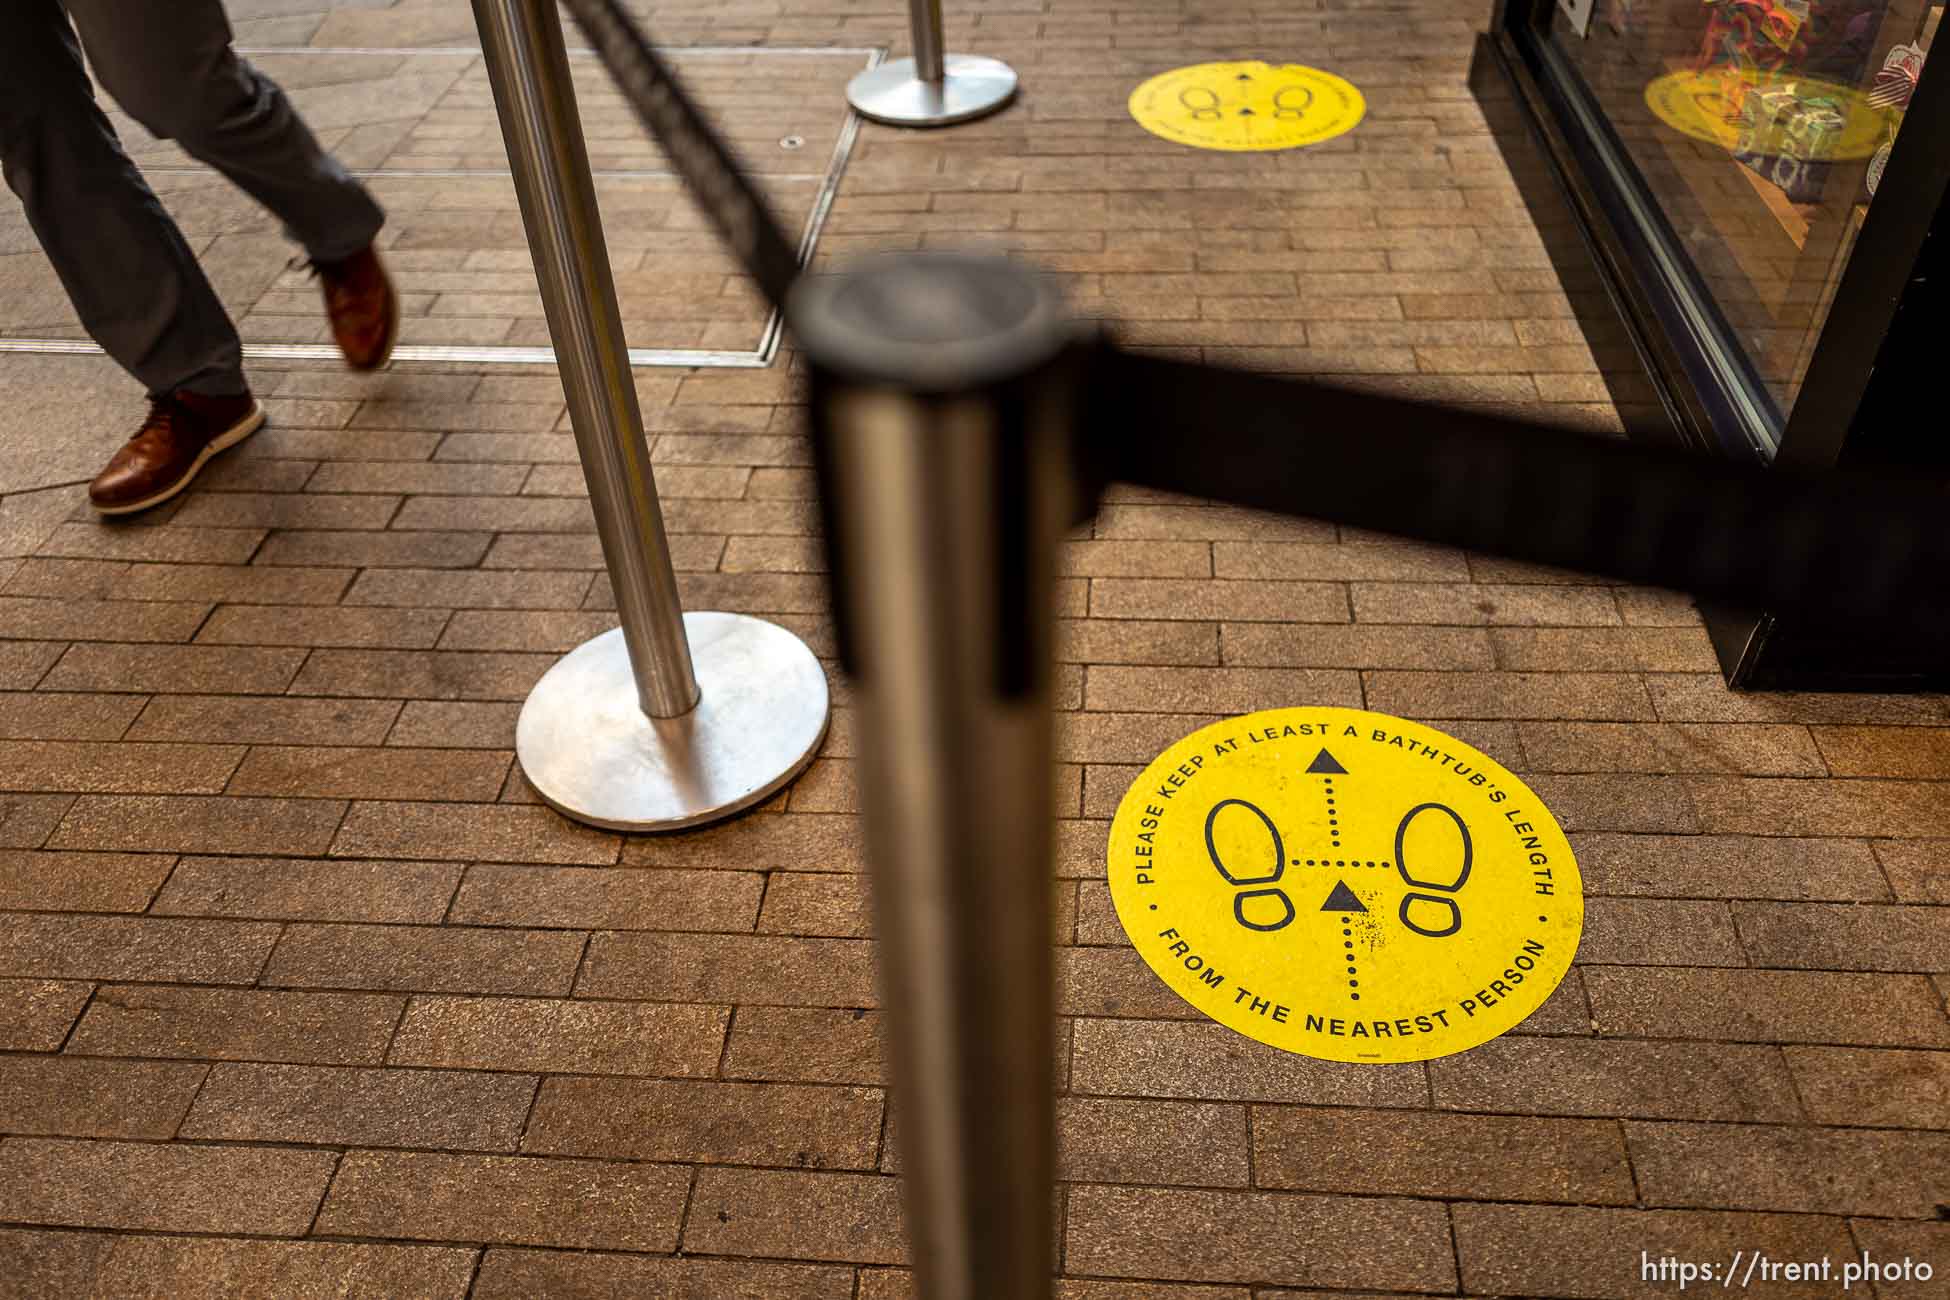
(1203, 103)
(1440, 901)
(1269, 903)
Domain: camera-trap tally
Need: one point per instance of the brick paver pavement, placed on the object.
(302, 994)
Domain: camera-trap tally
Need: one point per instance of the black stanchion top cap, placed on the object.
(929, 322)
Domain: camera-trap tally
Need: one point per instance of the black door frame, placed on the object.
(1884, 310)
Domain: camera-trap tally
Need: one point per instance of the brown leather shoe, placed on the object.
(183, 431)
(363, 309)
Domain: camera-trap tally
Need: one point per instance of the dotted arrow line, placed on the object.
(1347, 942)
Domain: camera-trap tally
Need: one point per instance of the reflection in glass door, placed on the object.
(1760, 129)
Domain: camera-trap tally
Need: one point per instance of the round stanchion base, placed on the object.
(592, 755)
(972, 87)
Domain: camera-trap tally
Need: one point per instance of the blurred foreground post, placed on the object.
(941, 413)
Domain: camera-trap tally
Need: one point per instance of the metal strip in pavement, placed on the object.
(465, 173)
(486, 355)
(450, 51)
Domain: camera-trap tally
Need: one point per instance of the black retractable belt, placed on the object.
(1844, 546)
(705, 162)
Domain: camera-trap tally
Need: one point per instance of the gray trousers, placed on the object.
(134, 281)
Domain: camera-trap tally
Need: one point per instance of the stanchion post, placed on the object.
(932, 88)
(529, 67)
(940, 398)
(670, 720)
(925, 19)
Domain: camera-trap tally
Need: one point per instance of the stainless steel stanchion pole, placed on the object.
(940, 413)
(672, 719)
(932, 88)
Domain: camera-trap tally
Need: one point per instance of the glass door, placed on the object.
(1753, 135)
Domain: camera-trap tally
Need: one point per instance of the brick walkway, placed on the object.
(303, 995)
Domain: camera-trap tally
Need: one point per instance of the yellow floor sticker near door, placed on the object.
(1248, 105)
(1345, 885)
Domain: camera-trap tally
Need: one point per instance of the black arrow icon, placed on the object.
(1244, 76)
(1343, 900)
(1245, 112)
(1325, 765)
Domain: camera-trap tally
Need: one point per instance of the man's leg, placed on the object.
(169, 64)
(133, 281)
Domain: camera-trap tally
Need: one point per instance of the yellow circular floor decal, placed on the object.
(1251, 105)
(1345, 885)
(1714, 106)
